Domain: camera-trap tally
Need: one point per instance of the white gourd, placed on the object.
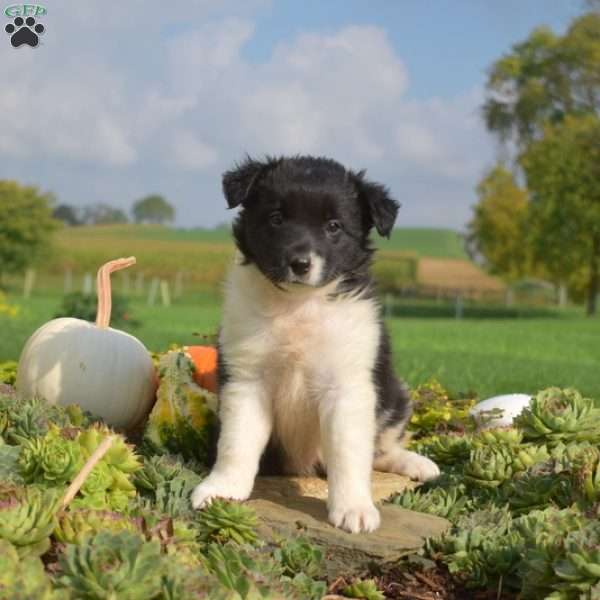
(106, 371)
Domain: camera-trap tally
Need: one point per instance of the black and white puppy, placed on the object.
(304, 360)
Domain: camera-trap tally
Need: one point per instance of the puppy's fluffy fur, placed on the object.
(305, 375)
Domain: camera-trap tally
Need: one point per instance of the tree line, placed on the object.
(150, 209)
(538, 213)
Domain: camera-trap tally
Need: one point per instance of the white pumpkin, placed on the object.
(510, 405)
(104, 370)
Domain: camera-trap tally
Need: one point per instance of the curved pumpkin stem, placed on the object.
(103, 288)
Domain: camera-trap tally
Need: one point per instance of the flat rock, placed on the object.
(289, 506)
(383, 485)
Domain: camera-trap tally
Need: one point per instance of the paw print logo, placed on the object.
(24, 32)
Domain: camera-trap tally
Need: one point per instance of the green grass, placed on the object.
(488, 356)
(500, 355)
(433, 243)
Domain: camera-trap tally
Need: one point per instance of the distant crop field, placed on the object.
(425, 242)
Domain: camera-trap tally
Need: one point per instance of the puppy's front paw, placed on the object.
(220, 486)
(355, 518)
(417, 467)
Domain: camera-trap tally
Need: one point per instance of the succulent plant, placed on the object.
(222, 521)
(363, 588)
(449, 503)
(9, 456)
(556, 415)
(25, 419)
(73, 526)
(27, 518)
(304, 587)
(24, 579)
(507, 436)
(489, 466)
(155, 471)
(53, 459)
(537, 488)
(480, 548)
(544, 534)
(120, 456)
(299, 556)
(444, 449)
(240, 569)
(579, 569)
(113, 565)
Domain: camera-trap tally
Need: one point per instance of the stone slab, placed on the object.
(297, 506)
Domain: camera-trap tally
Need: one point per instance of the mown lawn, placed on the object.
(485, 355)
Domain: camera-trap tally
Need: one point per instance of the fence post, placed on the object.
(164, 293)
(153, 291)
(28, 283)
(458, 307)
(88, 283)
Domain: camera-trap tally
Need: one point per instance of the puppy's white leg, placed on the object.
(393, 458)
(246, 422)
(347, 416)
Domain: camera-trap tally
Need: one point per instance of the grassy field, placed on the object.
(485, 355)
(431, 242)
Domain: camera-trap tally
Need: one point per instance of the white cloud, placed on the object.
(185, 103)
(189, 152)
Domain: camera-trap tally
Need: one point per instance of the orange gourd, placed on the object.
(205, 361)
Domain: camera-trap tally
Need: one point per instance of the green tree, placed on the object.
(153, 209)
(497, 231)
(26, 226)
(67, 214)
(563, 177)
(103, 214)
(544, 79)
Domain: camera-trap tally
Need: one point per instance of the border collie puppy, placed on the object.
(305, 374)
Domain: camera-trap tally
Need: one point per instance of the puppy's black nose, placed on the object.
(300, 265)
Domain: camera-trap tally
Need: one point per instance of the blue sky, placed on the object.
(124, 99)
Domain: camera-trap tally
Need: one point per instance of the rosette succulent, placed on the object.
(120, 456)
(480, 548)
(73, 526)
(111, 566)
(537, 488)
(445, 449)
(579, 569)
(556, 415)
(449, 503)
(507, 436)
(363, 588)
(223, 521)
(544, 534)
(299, 556)
(24, 579)
(27, 518)
(489, 466)
(26, 419)
(53, 459)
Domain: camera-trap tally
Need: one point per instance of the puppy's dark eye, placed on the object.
(276, 219)
(333, 226)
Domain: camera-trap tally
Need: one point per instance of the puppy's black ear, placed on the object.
(381, 207)
(239, 181)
